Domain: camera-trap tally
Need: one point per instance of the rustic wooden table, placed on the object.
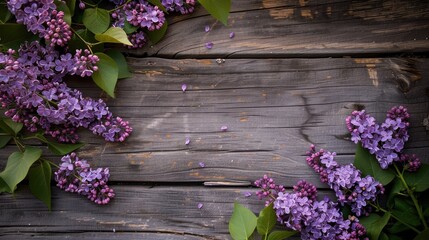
(290, 75)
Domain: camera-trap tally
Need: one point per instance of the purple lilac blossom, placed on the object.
(32, 92)
(202, 164)
(269, 189)
(187, 141)
(182, 6)
(346, 180)
(142, 14)
(138, 39)
(224, 128)
(41, 17)
(411, 162)
(387, 140)
(231, 35)
(200, 205)
(75, 175)
(207, 28)
(184, 87)
(315, 219)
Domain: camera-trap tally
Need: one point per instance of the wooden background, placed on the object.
(290, 76)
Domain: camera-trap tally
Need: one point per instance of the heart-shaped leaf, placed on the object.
(219, 9)
(63, 148)
(266, 221)
(97, 20)
(242, 223)
(280, 235)
(107, 74)
(120, 60)
(39, 178)
(368, 164)
(18, 165)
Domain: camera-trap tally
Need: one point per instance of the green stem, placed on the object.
(19, 144)
(88, 44)
(410, 193)
(5, 134)
(89, 4)
(395, 217)
(119, 7)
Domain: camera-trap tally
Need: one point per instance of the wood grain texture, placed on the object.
(295, 28)
(274, 109)
(138, 212)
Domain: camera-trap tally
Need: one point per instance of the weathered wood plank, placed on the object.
(273, 28)
(138, 212)
(274, 108)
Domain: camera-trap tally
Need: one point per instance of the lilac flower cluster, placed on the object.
(387, 140)
(143, 15)
(411, 162)
(269, 189)
(32, 92)
(75, 175)
(41, 17)
(349, 186)
(182, 6)
(315, 219)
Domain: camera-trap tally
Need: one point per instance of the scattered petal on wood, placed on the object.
(231, 35)
(247, 194)
(200, 205)
(209, 45)
(188, 140)
(184, 87)
(224, 128)
(207, 28)
(202, 164)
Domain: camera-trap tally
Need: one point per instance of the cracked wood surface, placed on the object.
(274, 109)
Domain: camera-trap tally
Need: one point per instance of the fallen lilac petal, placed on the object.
(247, 194)
(200, 205)
(224, 128)
(184, 87)
(188, 140)
(207, 28)
(231, 34)
(209, 45)
(202, 164)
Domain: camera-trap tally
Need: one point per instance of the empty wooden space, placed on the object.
(289, 77)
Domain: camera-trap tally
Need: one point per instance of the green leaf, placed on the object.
(120, 60)
(107, 74)
(62, 6)
(4, 187)
(419, 181)
(266, 221)
(76, 43)
(219, 9)
(4, 140)
(97, 20)
(9, 126)
(424, 235)
(40, 182)
(398, 227)
(63, 148)
(404, 209)
(72, 6)
(156, 35)
(393, 237)
(18, 165)
(5, 15)
(114, 35)
(374, 224)
(12, 35)
(159, 4)
(397, 187)
(280, 235)
(128, 28)
(242, 223)
(368, 164)
(383, 236)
